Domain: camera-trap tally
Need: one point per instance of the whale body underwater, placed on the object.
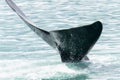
(72, 44)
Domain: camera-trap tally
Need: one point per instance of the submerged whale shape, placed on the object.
(73, 44)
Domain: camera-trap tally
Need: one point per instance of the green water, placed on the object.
(25, 56)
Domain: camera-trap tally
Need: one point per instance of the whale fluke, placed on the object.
(73, 44)
(42, 33)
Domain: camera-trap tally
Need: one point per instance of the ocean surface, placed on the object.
(25, 56)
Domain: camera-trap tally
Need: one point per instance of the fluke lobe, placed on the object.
(73, 44)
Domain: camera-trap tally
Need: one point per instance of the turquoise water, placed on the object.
(25, 56)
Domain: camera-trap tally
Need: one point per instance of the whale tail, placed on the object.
(73, 44)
